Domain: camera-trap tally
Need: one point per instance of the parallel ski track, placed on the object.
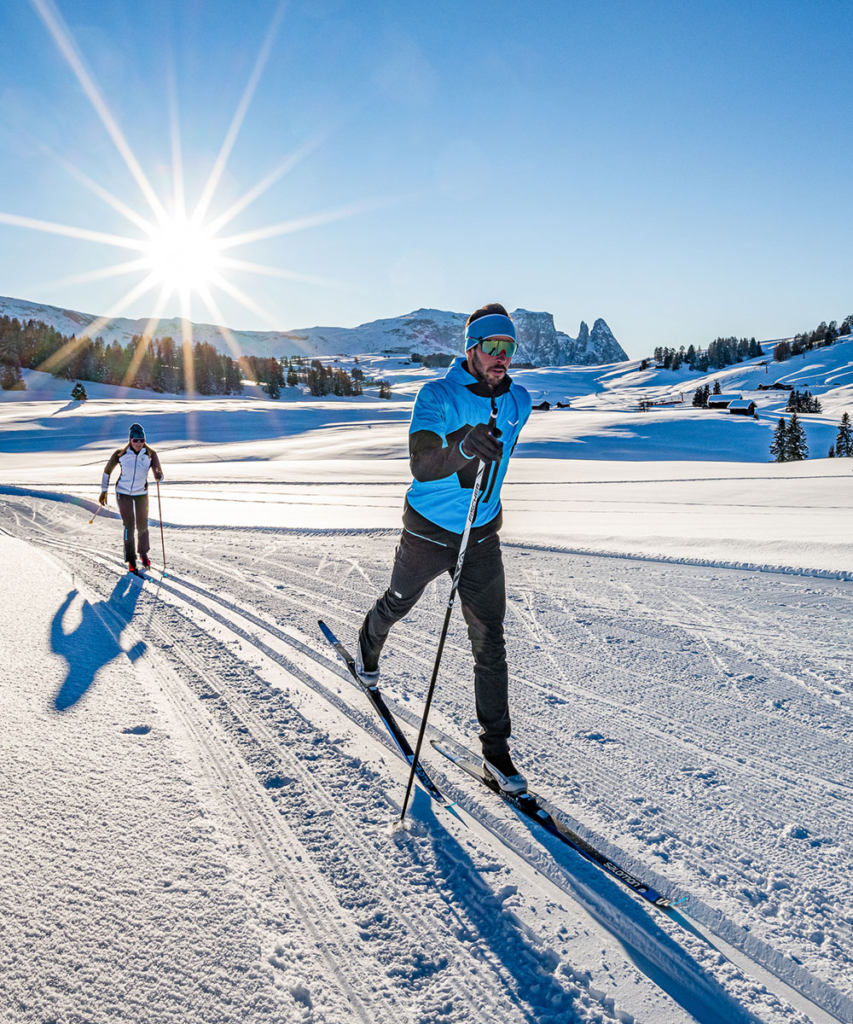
(345, 613)
(272, 836)
(482, 1003)
(696, 738)
(504, 831)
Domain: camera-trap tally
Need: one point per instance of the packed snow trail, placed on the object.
(283, 578)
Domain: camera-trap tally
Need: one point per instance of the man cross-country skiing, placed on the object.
(448, 437)
(135, 460)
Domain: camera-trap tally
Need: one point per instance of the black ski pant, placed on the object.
(134, 515)
(482, 595)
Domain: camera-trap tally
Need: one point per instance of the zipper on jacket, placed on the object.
(135, 464)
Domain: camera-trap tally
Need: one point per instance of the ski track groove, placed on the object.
(481, 1003)
(267, 828)
(535, 626)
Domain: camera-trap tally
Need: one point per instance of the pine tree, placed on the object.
(797, 446)
(844, 438)
(11, 379)
(78, 393)
(717, 389)
(384, 389)
(831, 453)
(779, 444)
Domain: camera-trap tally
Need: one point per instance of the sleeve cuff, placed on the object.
(465, 455)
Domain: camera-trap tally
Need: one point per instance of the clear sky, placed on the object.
(681, 169)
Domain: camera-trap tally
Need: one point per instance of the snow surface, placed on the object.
(197, 811)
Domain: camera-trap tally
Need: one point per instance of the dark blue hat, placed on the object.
(136, 431)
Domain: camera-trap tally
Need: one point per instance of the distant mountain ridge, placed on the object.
(424, 330)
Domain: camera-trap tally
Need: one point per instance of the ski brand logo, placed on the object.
(625, 876)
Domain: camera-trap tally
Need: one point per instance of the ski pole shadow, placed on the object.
(90, 645)
(543, 988)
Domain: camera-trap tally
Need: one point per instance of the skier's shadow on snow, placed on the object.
(547, 988)
(91, 645)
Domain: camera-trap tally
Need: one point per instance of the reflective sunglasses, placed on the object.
(494, 346)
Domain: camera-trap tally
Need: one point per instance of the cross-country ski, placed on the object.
(530, 805)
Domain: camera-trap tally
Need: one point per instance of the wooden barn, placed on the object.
(722, 401)
(742, 407)
(543, 406)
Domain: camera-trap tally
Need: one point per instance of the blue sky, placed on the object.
(680, 169)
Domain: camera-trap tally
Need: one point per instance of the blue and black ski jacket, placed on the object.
(445, 410)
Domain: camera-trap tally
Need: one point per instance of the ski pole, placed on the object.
(472, 512)
(95, 516)
(162, 540)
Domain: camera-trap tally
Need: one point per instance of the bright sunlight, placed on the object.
(183, 255)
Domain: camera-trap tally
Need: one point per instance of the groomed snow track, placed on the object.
(308, 771)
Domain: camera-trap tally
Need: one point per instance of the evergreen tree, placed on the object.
(384, 389)
(717, 389)
(797, 446)
(782, 351)
(78, 393)
(779, 444)
(831, 453)
(11, 379)
(844, 438)
(700, 396)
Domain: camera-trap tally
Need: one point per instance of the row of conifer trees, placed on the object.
(789, 440)
(160, 364)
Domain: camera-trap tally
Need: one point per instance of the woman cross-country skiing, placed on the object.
(135, 460)
(448, 437)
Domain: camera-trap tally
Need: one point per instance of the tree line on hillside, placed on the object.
(822, 336)
(156, 365)
(721, 352)
(727, 351)
(274, 374)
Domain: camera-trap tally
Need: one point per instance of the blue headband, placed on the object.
(494, 325)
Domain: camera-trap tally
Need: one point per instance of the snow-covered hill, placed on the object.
(424, 330)
(196, 822)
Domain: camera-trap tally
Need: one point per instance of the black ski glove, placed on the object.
(478, 443)
(103, 498)
(158, 475)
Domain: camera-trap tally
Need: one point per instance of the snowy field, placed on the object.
(198, 802)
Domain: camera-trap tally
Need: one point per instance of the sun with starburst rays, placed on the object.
(180, 251)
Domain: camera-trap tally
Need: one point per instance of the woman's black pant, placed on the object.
(482, 595)
(134, 515)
